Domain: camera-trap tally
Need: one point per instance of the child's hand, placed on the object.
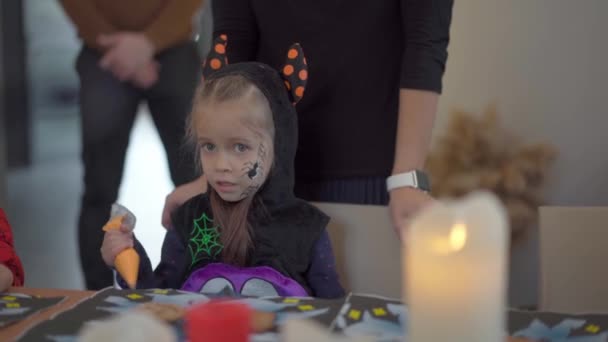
(114, 242)
(6, 278)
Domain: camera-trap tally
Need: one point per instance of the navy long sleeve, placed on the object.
(322, 275)
(360, 53)
(170, 270)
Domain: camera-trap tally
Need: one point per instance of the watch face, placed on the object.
(423, 181)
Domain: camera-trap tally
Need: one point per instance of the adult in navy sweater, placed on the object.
(376, 74)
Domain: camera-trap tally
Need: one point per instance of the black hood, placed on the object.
(281, 91)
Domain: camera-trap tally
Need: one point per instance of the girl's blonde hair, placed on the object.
(232, 217)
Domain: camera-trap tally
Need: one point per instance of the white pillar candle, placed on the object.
(455, 257)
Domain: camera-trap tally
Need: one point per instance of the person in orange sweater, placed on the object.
(133, 51)
(11, 270)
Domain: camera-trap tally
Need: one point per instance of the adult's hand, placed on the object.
(126, 52)
(404, 203)
(146, 76)
(180, 195)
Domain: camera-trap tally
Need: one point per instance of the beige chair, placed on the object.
(574, 259)
(367, 250)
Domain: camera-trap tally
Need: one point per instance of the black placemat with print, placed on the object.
(15, 307)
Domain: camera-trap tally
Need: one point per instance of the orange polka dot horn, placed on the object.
(283, 84)
(216, 59)
(294, 72)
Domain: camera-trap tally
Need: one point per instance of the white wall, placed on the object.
(544, 63)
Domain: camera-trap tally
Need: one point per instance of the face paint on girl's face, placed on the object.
(234, 155)
(254, 170)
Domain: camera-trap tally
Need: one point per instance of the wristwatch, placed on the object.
(414, 179)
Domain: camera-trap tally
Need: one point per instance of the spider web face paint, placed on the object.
(250, 191)
(204, 240)
(252, 170)
(255, 171)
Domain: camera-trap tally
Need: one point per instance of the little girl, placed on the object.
(248, 234)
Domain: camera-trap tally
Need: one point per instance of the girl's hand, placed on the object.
(6, 278)
(114, 242)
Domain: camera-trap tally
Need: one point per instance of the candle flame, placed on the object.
(452, 242)
(458, 236)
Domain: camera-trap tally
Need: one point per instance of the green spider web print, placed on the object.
(204, 241)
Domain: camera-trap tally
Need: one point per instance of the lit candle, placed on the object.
(455, 256)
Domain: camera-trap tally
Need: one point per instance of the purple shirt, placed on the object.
(321, 276)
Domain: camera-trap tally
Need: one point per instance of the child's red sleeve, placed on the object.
(8, 257)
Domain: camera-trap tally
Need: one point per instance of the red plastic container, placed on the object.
(218, 321)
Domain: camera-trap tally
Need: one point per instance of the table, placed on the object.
(73, 297)
(533, 324)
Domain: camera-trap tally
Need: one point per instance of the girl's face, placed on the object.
(236, 146)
